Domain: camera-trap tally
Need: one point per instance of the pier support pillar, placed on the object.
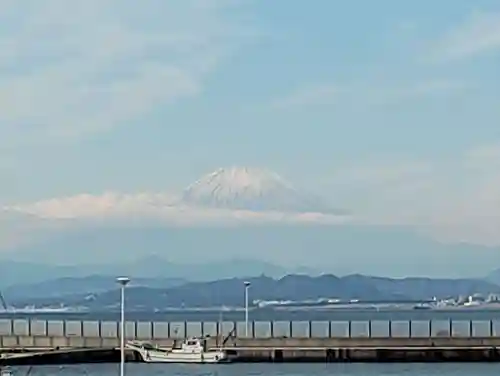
(330, 356)
(277, 356)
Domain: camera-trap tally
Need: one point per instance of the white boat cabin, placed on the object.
(189, 345)
(193, 344)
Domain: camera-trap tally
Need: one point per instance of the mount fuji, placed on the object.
(243, 188)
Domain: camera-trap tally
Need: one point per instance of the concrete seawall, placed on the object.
(256, 329)
(57, 350)
(58, 342)
(8, 343)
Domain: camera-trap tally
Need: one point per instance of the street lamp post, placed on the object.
(247, 286)
(122, 281)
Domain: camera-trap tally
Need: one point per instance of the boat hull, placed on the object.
(151, 356)
(186, 358)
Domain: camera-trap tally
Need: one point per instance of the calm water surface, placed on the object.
(443, 369)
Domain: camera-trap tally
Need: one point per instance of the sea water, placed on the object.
(339, 369)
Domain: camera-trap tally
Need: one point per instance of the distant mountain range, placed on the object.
(149, 294)
(151, 271)
(494, 276)
(61, 288)
(341, 250)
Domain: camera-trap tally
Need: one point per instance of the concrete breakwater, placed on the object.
(256, 329)
(46, 342)
(70, 350)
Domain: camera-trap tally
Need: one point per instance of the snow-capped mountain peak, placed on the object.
(238, 179)
(246, 188)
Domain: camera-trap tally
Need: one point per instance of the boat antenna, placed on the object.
(221, 331)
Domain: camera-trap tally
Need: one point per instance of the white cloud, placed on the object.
(479, 33)
(86, 205)
(367, 94)
(161, 208)
(72, 68)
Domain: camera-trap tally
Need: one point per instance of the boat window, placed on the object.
(192, 343)
(176, 345)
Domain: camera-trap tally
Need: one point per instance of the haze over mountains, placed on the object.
(232, 213)
(15, 273)
(99, 293)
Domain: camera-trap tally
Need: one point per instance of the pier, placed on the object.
(58, 342)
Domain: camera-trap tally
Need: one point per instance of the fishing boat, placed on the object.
(190, 350)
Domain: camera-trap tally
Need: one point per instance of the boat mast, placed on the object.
(221, 331)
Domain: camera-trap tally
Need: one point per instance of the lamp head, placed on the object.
(123, 280)
(247, 284)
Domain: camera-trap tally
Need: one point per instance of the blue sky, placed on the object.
(373, 104)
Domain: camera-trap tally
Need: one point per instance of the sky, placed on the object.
(390, 109)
